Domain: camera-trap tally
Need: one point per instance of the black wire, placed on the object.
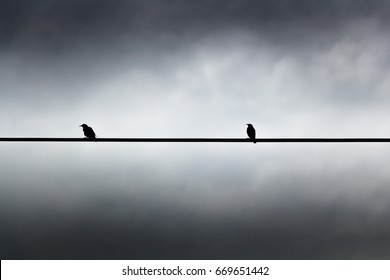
(211, 140)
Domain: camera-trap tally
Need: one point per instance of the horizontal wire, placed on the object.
(211, 140)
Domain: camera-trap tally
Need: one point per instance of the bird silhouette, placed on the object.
(88, 131)
(251, 132)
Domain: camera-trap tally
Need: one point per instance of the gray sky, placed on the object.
(194, 69)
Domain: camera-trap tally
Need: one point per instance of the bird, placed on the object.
(251, 132)
(88, 131)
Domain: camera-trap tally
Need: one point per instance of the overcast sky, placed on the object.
(172, 68)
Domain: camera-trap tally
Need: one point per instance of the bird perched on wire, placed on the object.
(88, 131)
(251, 132)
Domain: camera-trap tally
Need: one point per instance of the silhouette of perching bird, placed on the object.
(251, 132)
(88, 131)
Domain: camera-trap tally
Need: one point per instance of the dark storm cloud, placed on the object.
(138, 228)
(65, 24)
(297, 210)
(180, 68)
(73, 44)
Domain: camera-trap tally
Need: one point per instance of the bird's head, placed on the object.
(248, 124)
(83, 125)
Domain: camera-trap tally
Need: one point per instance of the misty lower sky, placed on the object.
(202, 68)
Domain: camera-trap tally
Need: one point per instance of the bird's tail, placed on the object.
(253, 139)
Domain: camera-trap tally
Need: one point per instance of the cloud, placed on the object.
(57, 26)
(268, 202)
(194, 69)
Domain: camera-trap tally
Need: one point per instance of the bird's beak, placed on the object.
(80, 125)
